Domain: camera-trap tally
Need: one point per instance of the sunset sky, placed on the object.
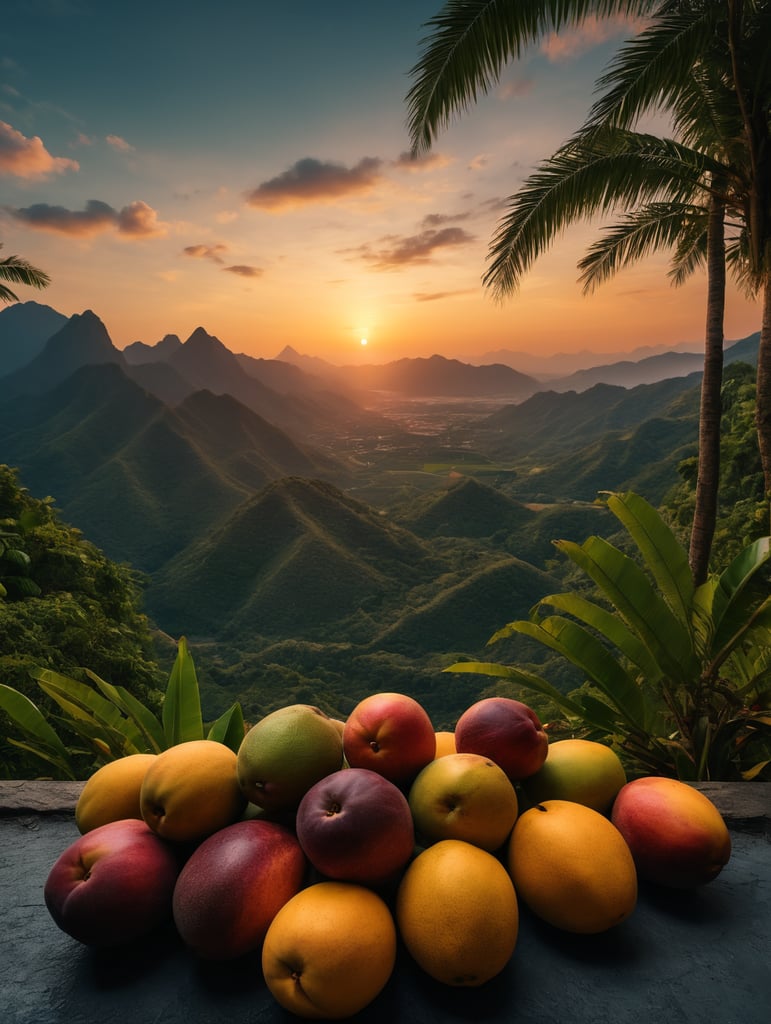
(243, 166)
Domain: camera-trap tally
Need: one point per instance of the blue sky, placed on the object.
(241, 166)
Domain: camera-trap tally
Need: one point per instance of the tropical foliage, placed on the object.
(19, 271)
(103, 722)
(677, 676)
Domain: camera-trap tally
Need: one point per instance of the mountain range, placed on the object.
(242, 487)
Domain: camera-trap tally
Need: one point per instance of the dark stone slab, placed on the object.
(683, 958)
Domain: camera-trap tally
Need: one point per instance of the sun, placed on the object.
(364, 342)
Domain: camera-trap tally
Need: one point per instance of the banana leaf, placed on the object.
(595, 660)
(145, 721)
(229, 728)
(181, 715)
(81, 701)
(663, 554)
(610, 626)
(44, 740)
(630, 591)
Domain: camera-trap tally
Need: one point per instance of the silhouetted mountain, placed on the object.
(140, 479)
(466, 509)
(82, 341)
(25, 327)
(138, 352)
(629, 374)
(288, 562)
(551, 420)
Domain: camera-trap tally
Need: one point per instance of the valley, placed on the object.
(317, 537)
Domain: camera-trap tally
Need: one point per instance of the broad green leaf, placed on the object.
(229, 728)
(663, 554)
(610, 626)
(732, 581)
(28, 717)
(182, 705)
(590, 655)
(598, 711)
(527, 680)
(630, 591)
(64, 768)
(81, 702)
(741, 625)
(145, 721)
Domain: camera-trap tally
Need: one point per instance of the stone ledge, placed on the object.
(746, 806)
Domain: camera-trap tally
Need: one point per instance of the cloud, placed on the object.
(206, 252)
(412, 249)
(592, 32)
(242, 270)
(435, 220)
(425, 162)
(515, 88)
(118, 143)
(436, 296)
(28, 158)
(312, 181)
(137, 220)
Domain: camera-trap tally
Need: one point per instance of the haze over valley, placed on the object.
(315, 528)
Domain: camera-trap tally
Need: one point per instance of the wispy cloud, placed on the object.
(207, 252)
(313, 181)
(394, 251)
(592, 32)
(425, 162)
(436, 296)
(28, 158)
(243, 270)
(118, 143)
(135, 221)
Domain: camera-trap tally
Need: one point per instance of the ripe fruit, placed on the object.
(464, 796)
(112, 885)
(356, 826)
(112, 792)
(285, 753)
(580, 770)
(191, 791)
(233, 885)
(329, 951)
(445, 743)
(572, 868)
(391, 734)
(505, 730)
(676, 834)
(457, 913)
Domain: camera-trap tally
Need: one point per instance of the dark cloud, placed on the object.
(242, 270)
(137, 220)
(311, 180)
(206, 252)
(436, 220)
(394, 251)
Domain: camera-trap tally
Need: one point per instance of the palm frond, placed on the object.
(19, 271)
(592, 174)
(470, 41)
(642, 231)
(653, 68)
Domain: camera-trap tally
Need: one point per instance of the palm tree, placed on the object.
(19, 271)
(681, 63)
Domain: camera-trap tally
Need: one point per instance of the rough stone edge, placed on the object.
(746, 806)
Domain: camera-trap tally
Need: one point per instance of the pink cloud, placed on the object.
(28, 158)
(592, 32)
(120, 144)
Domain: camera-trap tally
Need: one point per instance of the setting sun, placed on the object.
(364, 341)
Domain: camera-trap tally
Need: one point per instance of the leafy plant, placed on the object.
(677, 675)
(108, 722)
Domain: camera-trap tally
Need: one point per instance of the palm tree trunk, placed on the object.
(710, 410)
(763, 399)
